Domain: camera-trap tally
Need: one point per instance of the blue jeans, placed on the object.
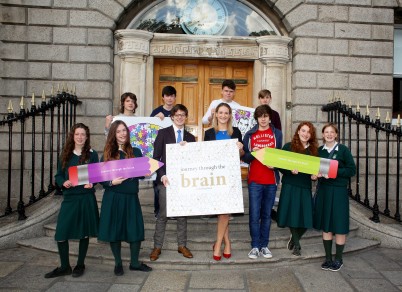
(261, 201)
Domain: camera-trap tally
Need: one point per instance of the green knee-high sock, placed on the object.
(116, 250)
(63, 253)
(301, 231)
(328, 249)
(295, 236)
(339, 251)
(82, 251)
(134, 253)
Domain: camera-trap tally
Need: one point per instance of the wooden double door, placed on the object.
(198, 82)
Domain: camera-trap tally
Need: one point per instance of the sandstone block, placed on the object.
(312, 96)
(380, 99)
(304, 113)
(370, 82)
(354, 97)
(63, 35)
(99, 72)
(100, 37)
(333, 13)
(91, 54)
(68, 71)
(382, 32)
(350, 64)
(332, 80)
(305, 45)
(305, 79)
(354, 2)
(333, 47)
(385, 3)
(110, 8)
(47, 16)
(47, 52)
(371, 48)
(35, 34)
(95, 107)
(371, 15)
(12, 87)
(12, 14)
(313, 63)
(70, 3)
(282, 7)
(12, 51)
(353, 31)
(301, 14)
(90, 18)
(382, 66)
(314, 29)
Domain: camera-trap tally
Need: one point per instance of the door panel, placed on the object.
(198, 82)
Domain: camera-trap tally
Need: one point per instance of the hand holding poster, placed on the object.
(291, 160)
(204, 178)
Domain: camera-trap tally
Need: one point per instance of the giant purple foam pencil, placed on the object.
(291, 160)
(104, 171)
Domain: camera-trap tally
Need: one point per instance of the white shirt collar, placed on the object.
(330, 149)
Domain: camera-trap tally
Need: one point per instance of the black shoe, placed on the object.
(143, 268)
(325, 265)
(274, 215)
(58, 272)
(118, 270)
(296, 251)
(78, 271)
(336, 266)
(291, 244)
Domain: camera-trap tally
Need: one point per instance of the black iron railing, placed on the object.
(377, 155)
(59, 110)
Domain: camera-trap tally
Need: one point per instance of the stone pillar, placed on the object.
(133, 50)
(274, 55)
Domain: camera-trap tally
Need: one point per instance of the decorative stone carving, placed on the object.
(133, 42)
(274, 49)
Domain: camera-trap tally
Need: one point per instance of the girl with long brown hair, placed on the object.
(78, 217)
(295, 209)
(121, 216)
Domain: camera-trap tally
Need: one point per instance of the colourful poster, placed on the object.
(143, 131)
(243, 118)
(291, 160)
(204, 179)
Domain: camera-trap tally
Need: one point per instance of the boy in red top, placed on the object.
(262, 180)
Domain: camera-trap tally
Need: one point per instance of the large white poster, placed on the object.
(204, 179)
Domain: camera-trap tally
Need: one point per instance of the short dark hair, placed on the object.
(229, 83)
(263, 93)
(261, 110)
(168, 90)
(178, 107)
(123, 98)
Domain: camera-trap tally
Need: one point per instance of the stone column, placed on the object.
(133, 50)
(274, 55)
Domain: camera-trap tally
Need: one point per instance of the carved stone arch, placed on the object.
(135, 51)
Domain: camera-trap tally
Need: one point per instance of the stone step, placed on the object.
(170, 259)
(202, 239)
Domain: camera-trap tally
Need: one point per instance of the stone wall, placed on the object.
(341, 48)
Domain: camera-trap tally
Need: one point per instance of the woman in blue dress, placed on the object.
(222, 129)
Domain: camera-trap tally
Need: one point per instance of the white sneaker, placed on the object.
(266, 253)
(254, 253)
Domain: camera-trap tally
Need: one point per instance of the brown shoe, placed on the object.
(185, 252)
(155, 254)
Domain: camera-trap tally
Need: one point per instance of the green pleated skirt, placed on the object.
(331, 211)
(121, 218)
(295, 207)
(78, 217)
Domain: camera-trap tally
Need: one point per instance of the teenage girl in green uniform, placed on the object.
(295, 209)
(121, 215)
(78, 217)
(331, 214)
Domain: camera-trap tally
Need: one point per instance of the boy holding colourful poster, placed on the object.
(262, 180)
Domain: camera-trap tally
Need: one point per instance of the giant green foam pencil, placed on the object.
(291, 160)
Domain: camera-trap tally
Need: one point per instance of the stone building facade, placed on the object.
(326, 49)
